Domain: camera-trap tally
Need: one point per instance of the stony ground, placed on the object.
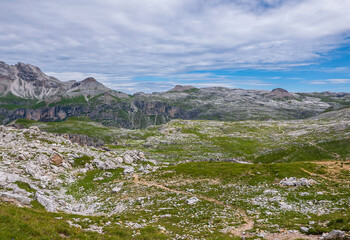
(261, 180)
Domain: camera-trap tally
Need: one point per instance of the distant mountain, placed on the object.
(26, 92)
(28, 81)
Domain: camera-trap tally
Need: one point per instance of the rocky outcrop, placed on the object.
(180, 88)
(160, 108)
(44, 164)
(28, 81)
(84, 140)
(280, 93)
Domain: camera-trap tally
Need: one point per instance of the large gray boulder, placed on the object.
(335, 235)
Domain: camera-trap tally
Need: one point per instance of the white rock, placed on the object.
(21, 199)
(129, 169)
(128, 159)
(46, 201)
(105, 165)
(116, 189)
(192, 200)
(119, 160)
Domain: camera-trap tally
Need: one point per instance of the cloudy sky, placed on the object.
(151, 45)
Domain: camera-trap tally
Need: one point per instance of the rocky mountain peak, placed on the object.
(279, 93)
(28, 81)
(180, 88)
(89, 80)
(91, 83)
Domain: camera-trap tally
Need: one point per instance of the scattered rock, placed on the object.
(56, 159)
(116, 189)
(192, 200)
(19, 198)
(129, 170)
(105, 165)
(35, 128)
(295, 182)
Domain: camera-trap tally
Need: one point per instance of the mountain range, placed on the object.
(26, 92)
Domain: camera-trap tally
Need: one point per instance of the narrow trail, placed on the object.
(240, 231)
(318, 175)
(335, 155)
(335, 171)
(248, 225)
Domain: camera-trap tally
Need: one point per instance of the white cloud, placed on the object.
(331, 81)
(127, 39)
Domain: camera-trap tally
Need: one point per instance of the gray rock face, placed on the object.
(335, 235)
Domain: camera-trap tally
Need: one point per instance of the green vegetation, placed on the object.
(25, 186)
(251, 141)
(73, 125)
(239, 184)
(12, 102)
(191, 90)
(157, 203)
(88, 183)
(81, 161)
(24, 223)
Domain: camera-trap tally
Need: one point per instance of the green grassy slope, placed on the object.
(253, 141)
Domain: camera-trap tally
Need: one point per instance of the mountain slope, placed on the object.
(26, 92)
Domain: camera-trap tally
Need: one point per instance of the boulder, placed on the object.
(116, 189)
(304, 229)
(128, 159)
(335, 235)
(119, 160)
(34, 170)
(192, 200)
(105, 165)
(56, 159)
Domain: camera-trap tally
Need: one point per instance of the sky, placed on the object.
(152, 45)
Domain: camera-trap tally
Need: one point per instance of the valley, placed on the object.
(81, 161)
